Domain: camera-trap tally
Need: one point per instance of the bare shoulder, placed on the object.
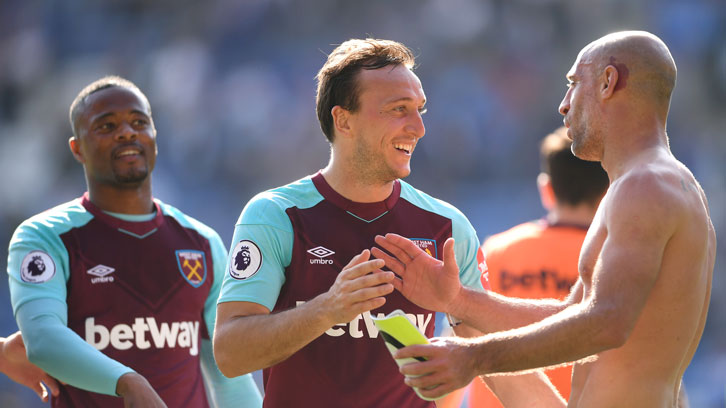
(662, 191)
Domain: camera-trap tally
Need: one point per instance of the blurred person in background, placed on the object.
(301, 287)
(14, 363)
(115, 292)
(646, 265)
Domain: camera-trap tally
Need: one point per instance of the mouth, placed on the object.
(404, 147)
(127, 152)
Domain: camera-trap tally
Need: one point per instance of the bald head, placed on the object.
(643, 62)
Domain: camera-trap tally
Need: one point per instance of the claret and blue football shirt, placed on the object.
(289, 245)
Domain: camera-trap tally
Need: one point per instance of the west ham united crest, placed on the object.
(245, 261)
(37, 267)
(427, 245)
(192, 266)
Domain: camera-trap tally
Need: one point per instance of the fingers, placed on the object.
(368, 293)
(52, 384)
(391, 263)
(361, 257)
(436, 391)
(40, 391)
(402, 248)
(362, 268)
(417, 350)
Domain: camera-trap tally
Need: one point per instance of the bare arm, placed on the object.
(435, 285)
(508, 388)
(14, 363)
(248, 338)
(625, 272)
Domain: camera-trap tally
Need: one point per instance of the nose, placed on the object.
(416, 126)
(125, 132)
(565, 104)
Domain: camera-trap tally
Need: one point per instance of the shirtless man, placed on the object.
(645, 267)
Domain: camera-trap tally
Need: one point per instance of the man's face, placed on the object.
(580, 110)
(387, 124)
(116, 139)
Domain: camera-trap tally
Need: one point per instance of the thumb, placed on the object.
(450, 256)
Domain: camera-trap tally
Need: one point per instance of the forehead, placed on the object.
(389, 84)
(582, 62)
(114, 100)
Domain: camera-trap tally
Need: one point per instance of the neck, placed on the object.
(581, 214)
(355, 188)
(122, 200)
(629, 139)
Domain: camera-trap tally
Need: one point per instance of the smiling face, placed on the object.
(579, 107)
(115, 139)
(387, 124)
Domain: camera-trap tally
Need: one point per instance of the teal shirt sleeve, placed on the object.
(38, 239)
(266, 230)
(39, 304)
(60, 352)
(466, 245)
(224, 392)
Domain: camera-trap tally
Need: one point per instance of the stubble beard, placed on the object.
(586, 144)
(131, 177)
(371, 166)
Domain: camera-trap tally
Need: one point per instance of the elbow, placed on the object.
(38, 350)
(613, 328)
(225, 356)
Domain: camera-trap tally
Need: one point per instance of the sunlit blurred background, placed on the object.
(232, 89)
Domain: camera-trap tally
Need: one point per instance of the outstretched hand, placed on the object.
(14, 363)
(449, 365)
(422, 279)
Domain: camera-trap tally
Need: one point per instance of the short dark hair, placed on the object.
(95, 86)
(574, 181)
(337, 85)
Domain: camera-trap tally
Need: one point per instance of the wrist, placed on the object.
(319, 309)
(478, 357)
(457, 307)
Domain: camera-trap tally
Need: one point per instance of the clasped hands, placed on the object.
(434, 285)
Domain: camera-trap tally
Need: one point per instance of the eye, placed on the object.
(140, 122)
(400, 108)
(422, 111)
(106, 127)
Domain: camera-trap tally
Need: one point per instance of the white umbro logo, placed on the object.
(100, 271)
(321, 252)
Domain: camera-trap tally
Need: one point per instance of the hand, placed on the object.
(449, 365)
(137, 392)
(424, 280)
(359, 287)
(14, 363)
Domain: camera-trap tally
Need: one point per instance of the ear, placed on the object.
(341, 120)
(610, 81)
(546, 192)
(75, 146)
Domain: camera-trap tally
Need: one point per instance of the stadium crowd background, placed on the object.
(231, 84)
